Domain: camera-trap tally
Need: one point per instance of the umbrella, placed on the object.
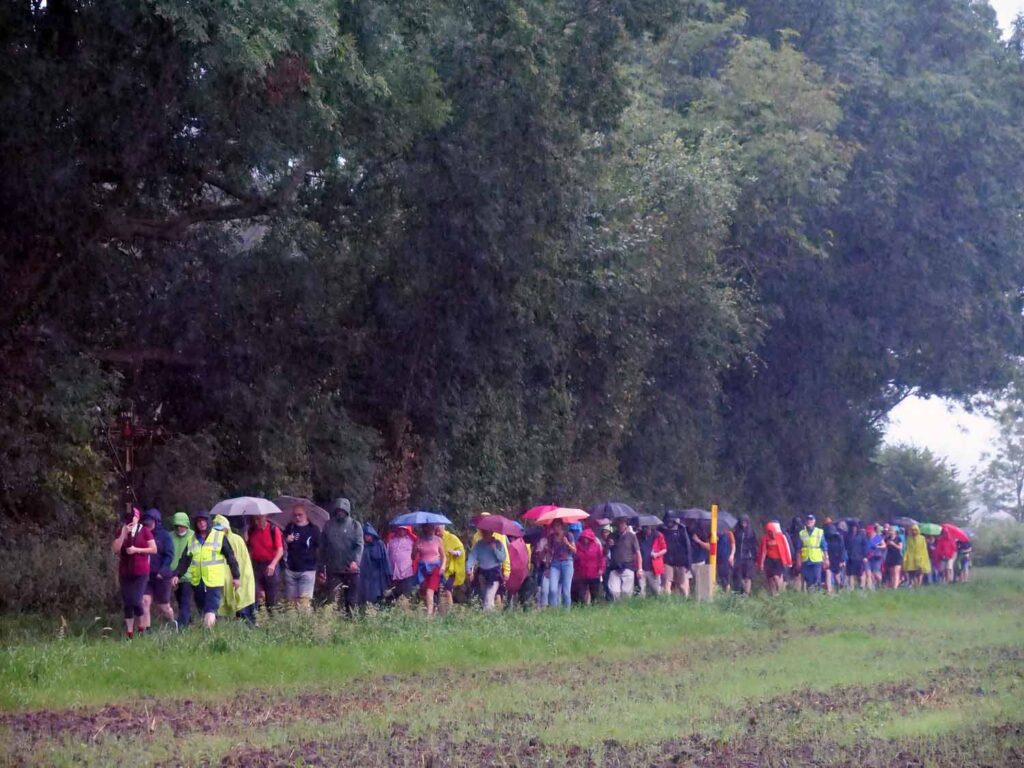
(930, 529)
(244, 505)
(498, 524)
(695, 514)
(610, 510)
(644, 520)
(957, 533)
(317, 515)
(421, 518)
(905, 522)
(727, 518)
(533, 535)
(565, 514)
(533, 514)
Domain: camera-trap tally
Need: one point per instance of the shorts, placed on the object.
(159, 589)
(299, 585)
(836, 566)
(431, 582)
(677, 574)
(744, 570)
(405, 587)
(855, 568)
(773, 567)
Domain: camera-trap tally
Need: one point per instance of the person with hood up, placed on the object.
(945, 551)
(726, 557)
(202, 566)
(678, 557)
(834, 578)
(916, 562)
(453, 580)
(374, 568)
(796, 573)
(484, 565)
(589, 563)
(180, 539)
(158, 590)
(399, 545)
(876, 554)
(745, 555)
(774, 556)
(339, 553)
(239, 599)
(857, 552)
(652, 556)
(133, 545)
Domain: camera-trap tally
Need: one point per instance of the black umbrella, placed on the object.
(695, 514)
(725, 517)
(644, 520)
(610, 510)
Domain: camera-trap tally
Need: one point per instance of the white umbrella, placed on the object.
(245, 505)
(317, 515)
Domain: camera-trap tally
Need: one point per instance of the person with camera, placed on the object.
(133, 545)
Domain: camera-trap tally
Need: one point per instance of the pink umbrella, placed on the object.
(536, 512)
(498, 524)
(565, 514)
(957, 533)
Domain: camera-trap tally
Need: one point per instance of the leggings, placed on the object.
(132, 590)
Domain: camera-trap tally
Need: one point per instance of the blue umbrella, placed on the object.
(610, 510)
(421, 518)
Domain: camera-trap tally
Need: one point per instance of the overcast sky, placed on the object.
(1007, 9)
(946, 429)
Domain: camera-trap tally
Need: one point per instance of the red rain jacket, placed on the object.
(589, 561)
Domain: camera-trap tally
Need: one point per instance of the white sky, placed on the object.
(944, 428)
(1007, 10)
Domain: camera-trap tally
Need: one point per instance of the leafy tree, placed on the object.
(913, 482)
(1000, 482)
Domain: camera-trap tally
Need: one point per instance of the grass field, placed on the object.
(931, 677)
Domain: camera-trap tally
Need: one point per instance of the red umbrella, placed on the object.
(497, 524)
(957, 533)
(536, 512)
(565, 514)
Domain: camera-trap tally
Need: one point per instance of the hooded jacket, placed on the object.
(374, 568)
(341, 543)
(945, 546)
(774, 545)
(236, 599)
(915, 553)
(454, 564)
(677, 542)
(746, 541)
(160, 563)
(589, 560)
(836, 545)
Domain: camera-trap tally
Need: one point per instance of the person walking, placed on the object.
(588, 566)
(945, 551)
(453, 580)
(745, 563)
(239, 595)
(181, 536)
(857, 553)
(876, 554)
(400, 543)
(774, 557)
(893, 557)
(813, 553)
(133, 545)
(266, 550)
(652, 558)
(562, 548)
(302, 543)
(916, 562)
(678, 557)
(484, 565)
(430, 557)
(202, 566)
(521, 586)
(338, 554)
(726, 559)
(626, 561)
(836, 547)
(964, 549)
(374, 568)
(158, 588)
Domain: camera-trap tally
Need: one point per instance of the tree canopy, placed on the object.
(479, 255)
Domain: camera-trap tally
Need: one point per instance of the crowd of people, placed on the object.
(236, 567)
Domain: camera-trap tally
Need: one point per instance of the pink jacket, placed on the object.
(589, 561)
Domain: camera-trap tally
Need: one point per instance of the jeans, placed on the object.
(812, 575)
(184, 603)
(560, 584)
(542, 593)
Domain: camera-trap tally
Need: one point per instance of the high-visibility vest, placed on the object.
(207, 561)
(810, 545)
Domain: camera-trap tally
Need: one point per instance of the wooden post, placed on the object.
(713, 555)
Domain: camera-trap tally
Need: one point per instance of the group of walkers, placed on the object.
(211, 569)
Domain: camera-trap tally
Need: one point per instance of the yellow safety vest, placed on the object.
(208, 564)
(810, 546)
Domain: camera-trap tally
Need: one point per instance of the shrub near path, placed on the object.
(937, 672)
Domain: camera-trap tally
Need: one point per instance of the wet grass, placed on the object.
(938, 672)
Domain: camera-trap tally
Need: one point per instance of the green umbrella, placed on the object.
(930, 529)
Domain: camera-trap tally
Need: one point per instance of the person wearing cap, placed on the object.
(181, 535)
(158, 589)
(678, 557)
(202, 566)
(813, 553)
(626, 561)
(266, 549)
(133, 545)
(239, 597)
(339, 554)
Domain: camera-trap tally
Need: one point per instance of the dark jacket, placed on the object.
(858, 548)
(677, 541)
(374, 568)
(161, 561)
(836, 544)
(341, 543)
(746, 543)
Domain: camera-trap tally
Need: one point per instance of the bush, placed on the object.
(52, 574)
(1000, 544)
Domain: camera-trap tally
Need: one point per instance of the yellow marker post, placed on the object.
(713, 555)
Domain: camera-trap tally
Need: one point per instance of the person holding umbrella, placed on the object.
(652, 555)
(678, 556)
(339, 551)
(562, 549)
(303, 541)
(626, 561)
(202, 563)
(266, 548)
(430, 556)
(484, 565)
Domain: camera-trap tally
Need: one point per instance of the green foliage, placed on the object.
(999, 544)
(912, 482)
(1000, 482)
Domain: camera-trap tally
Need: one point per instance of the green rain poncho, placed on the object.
(237, 599)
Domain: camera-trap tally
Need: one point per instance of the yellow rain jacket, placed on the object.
(915, 556)
(506, 567)
(237, 599)
(455, 565)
